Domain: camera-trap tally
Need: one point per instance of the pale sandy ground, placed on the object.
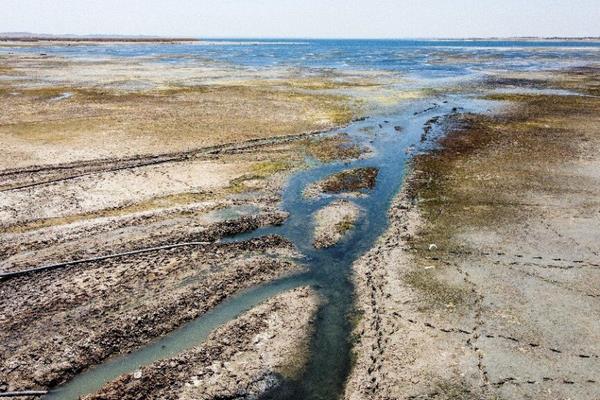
(333, 222)
(116, 189)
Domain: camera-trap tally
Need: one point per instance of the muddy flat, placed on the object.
(189, 220)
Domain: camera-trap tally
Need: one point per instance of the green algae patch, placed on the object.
(259, 171)
(266, 168)
(585, 79)
(344, 226)
(330, 84)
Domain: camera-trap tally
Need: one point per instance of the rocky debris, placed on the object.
(352, 182)
(57, 323)
(333, 222)
(429, 126)
(242, 359)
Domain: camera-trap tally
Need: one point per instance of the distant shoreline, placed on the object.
(8, 37)
(528, 39)
(32, 37)
(89, 39)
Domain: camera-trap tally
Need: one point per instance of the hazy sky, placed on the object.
(305, 18)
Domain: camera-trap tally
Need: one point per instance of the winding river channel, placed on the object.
(393, 139)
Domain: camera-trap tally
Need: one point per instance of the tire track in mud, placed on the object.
(86, 168)
(258, 243)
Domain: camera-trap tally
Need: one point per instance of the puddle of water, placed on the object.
(62, 96)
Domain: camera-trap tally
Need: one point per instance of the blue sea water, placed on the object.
(423, 57)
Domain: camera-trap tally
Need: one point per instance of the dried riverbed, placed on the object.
(216, 233)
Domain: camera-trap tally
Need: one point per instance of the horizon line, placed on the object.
(33, 35)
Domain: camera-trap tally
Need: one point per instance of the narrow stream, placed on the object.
(328, 269)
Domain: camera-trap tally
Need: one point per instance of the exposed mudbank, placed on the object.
(333, 222)
(57, 249)
(352, 182)
(210, 239)
(326, 368)
(150, 295)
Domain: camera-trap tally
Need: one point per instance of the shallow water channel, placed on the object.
(394, 139)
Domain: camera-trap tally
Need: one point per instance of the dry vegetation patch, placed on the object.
(489, 163)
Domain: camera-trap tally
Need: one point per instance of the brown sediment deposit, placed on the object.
(485, 284)
(352, 182)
